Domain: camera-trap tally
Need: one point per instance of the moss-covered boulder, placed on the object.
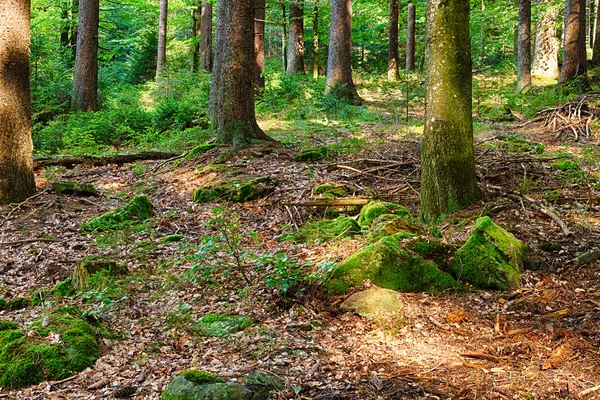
(329, 229)
(390, 224)
(434, 250)
(388, 265)
(491, 258)
(88, 266)
(222, 325)
(52, 348)
(318, 154)
(376, 208)
(333, 190)
(16, 303)
(138, 209)
(373, 302)
(74, 188)
(238, 191)
(262, 384)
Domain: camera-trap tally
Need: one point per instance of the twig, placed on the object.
(56, 383)
(588, 391)
(159, 166)
(24, 241)
(351, 201)
(292, 218)
(35, 196)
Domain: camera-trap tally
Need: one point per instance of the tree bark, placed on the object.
(206, 50)
(196, 34)
(259, 43)
(74, 27)
(16, 168)
(410, 38)
(161, 56)
(392, 72)
(448, 180)
(316, 40)
(284, 38)
(524, 47)
(592, 22)
(231, 106)
(596, 54)
(545, 55)
(85, 79)
(295, 64)
(574, 63)
(339, 62)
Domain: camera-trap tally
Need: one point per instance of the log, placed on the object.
(69, 161)
(351, 201)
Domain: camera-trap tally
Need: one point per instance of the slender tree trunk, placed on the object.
(524, 47)
(85, 79)
(316, 40)
(196, 33)
(448, 181)
(284, 38)
(594, 26)
(410, 38)
(259, 42)
(16, 164)
(206, 51)
(596, 54)
(339, 62)
(392, 72)
(545, 55)
(574, 64)
(65, 29)
(74, 25)
(482, 34)
(591, 24)
(161, 57)
(231, 106)
(295, 51)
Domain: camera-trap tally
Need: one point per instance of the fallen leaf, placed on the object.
(558, 356)
(457, 317)
(558, 314)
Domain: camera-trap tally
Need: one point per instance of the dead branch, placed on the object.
(353, 201)
(69, 161)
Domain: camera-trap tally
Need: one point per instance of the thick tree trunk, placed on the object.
(284, 38)
(392, 72)
(448, 180)
(161, 56)
(206, 50)
(316, 40)
(196, 33)
(16, 170)
(545, 55)
(85, 79)
(410, 38)
(574, 63)
(295, 64)
(339, 62)
(231, 106)
(592, 22)
(524, 47)
(259, 42)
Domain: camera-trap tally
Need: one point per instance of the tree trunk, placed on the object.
(65, 28)
(74, 26)
(592, 22)
(259, 43)
(482, 35)
(410, 38)
(448, 181)
(196, 34)
(392, 72)
(339, 62)
(206, 51)
(524, 47)
(295, 64)
(231, 106)
(545, 55)
(85, 75)
(161, 57)
(284, 39)
(574, 64)
(16, 167)
(316, 40)
(596, 54)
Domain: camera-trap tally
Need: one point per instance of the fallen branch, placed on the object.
(24, 241)
(588, 391)
(21, 204)
(68, 161)
(586, 258)
(356, 201)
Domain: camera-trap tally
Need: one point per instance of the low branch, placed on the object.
(68, 161)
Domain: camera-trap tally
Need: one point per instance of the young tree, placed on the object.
(161, 57)
(316, 40)
(596, 54)
(259, 42)
(574, 63)
(339, 62)
(231, 105)
(206, 50)
(410, 38)
(284, 38)
(85, 75)
(16, 166)
(545, 54)
(392, 72)
(295, 64)
(448, 180)
(524, 47)
(196, 33)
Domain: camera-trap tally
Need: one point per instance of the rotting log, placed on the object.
(69, 161)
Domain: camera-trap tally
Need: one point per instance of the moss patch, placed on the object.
(332, 190)
(238, 191)
(200, 377)
(172, 239)
(221, 325)
(199, 150)
(390, 224)
(91, 265)
(491, 258)
(138, 209)
(329, 229)
(312, 154)
(75, 188)
(16, 303)
(376, 208)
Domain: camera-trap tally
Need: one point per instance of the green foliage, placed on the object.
(318, 154)
(138, 209)
(200, 377)
(221, 325)
(327, 230)
(376, 208)
(238, 191)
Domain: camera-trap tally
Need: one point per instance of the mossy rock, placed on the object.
(434, 250)
(376, 208)
(199, 150)
(200, 377)
(16, 303)
(238, 191)
(74, 188)
(373, 302)
(88, 266)
(172, 239)
(222, 325)
(390, 224)
(388, 265)
(183, 389)
(61, 346)
(329, 229)
(491, 258)
(312, 154)
(262, 384)
(333, 190)
(138, 209)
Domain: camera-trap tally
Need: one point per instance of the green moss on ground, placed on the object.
(318, 154)
(90, 265)
(198, 150)
(200, 377)
(434, 250)
(138, 209)
(329, 229)
(390, 224)
(172, 239)
(222, 325)
(238, 191)
(332, 190)
(519, 144)
(376, 208)
(75, 188)
(16, 303)
(491, 258)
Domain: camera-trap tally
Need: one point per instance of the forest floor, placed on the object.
(541, 341)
